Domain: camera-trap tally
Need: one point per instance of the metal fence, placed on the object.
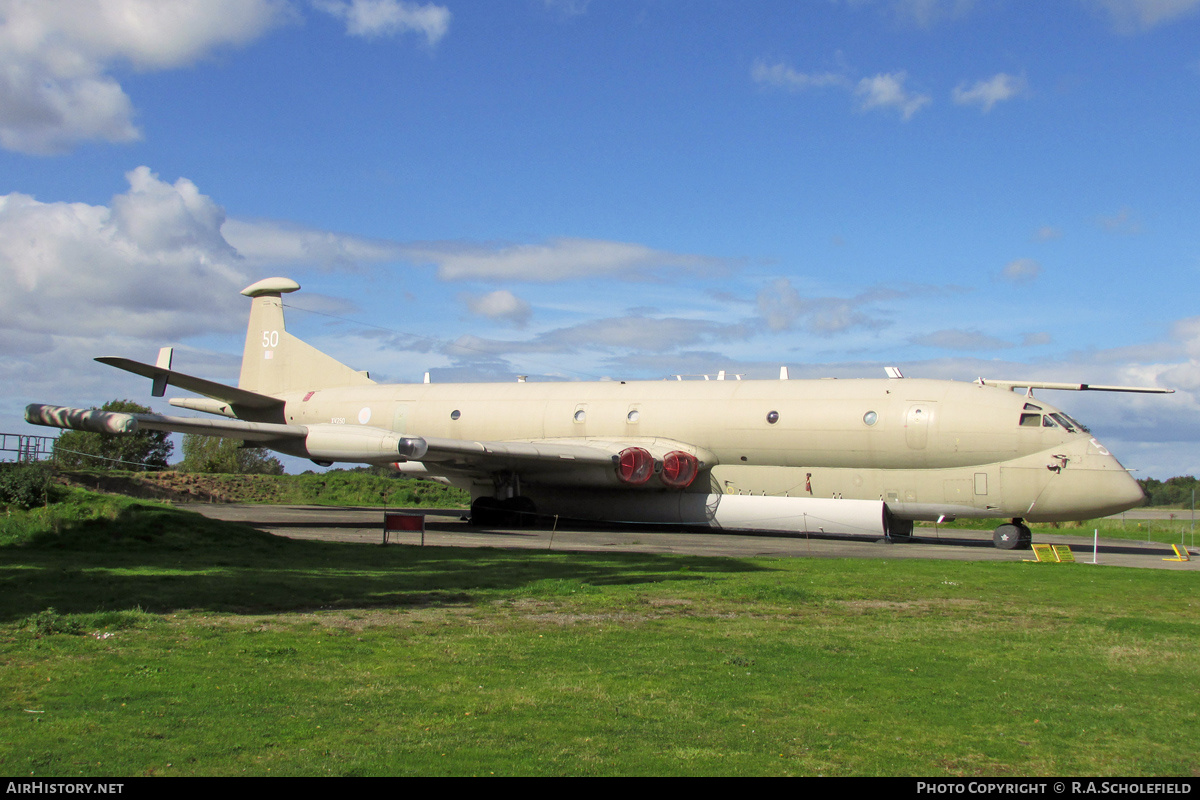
(25, 449)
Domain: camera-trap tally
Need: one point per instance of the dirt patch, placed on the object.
(907, 605)
(172, 487)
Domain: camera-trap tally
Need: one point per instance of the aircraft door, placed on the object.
(400, 417)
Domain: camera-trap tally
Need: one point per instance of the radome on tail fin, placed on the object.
(274, 361)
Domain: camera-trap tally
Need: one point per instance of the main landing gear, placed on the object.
(898, 530)
(1013, 535)
(515, 512)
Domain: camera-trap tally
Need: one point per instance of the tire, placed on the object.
(486, 512)
(1008, 537)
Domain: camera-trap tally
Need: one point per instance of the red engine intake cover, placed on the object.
(679, 469)
(635, 466)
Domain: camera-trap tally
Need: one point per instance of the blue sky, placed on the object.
(615, 188)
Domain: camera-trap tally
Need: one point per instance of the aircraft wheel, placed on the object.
(900, 530)
(1010, 537)
(486, 511)
(521, 512)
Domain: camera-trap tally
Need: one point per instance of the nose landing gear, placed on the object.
(1013, 535)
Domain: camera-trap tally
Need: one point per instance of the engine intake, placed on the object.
(679, 469)
(635, 465)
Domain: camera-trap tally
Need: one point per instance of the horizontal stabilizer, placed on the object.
(1071, 387)
(217, 391)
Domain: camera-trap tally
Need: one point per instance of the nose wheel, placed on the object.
(1013, 535)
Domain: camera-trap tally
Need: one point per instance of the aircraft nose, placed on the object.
(1120, 492)
(1097, 487)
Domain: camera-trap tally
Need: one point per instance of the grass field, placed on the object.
(139, 639)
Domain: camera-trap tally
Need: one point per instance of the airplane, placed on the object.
(837, 456)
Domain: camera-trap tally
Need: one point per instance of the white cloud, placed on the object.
(953, 339)
(1036, 339)
(1132, 16)
(1124, 221)
(926, 12)
(568, 8)
(1023, 270)
(632, 332)
(281, 244)
(986, 94)
(880, 91)
(783, 308)
(55, 57)
(887, 91)
(559, 259)
(1047, 233)
(153, 263)
(500, 305)
(372, 18)
(782, 76)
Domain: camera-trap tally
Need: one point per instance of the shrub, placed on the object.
(26, 486)
(50, 622)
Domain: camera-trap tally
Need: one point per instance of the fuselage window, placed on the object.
(870, 418)
(1048, 423)
(1031, 420)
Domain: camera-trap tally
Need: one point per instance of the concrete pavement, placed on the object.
(447, 529)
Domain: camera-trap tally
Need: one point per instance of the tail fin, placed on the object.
(274, 361)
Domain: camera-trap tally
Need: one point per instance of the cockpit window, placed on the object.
(1081, 427)
(1052, 419)
(1061, 419)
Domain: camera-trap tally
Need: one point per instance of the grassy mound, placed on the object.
(334, 488)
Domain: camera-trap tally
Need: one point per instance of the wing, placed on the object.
(565, 461)
(1071, 387)
(83, 419)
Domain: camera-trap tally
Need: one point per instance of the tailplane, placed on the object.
(274, 361)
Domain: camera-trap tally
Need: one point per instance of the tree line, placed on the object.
(1172, 492)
